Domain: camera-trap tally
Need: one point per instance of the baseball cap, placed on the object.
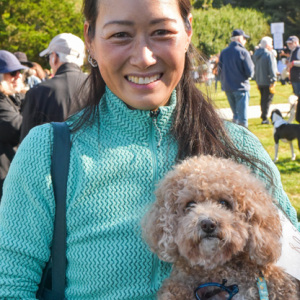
(22, 57)
(9, 63)
(292, 39)
(239, 32)
(65, 43)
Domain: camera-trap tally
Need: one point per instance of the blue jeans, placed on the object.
(296, 88)
(239, 101)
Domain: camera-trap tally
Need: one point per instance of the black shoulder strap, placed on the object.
(59, 173)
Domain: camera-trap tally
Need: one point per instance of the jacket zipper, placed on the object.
(154, 146)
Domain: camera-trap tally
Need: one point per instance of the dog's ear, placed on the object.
(159, 225)
(264, 242)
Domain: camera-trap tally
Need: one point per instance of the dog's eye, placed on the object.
(225, 204)
(190, 204)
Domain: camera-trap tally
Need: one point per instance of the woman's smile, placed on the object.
(142, 80)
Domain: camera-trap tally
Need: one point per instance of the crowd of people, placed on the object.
(135, 115)
(30, 98)
(235, 66)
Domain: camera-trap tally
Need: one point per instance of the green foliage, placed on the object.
(212, 28)
(277, 10)
(203, 4)
(29, 26)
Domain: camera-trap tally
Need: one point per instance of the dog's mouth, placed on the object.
(210, 236)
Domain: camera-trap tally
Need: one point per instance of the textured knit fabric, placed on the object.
(114, 166)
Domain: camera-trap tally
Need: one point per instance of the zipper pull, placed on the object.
(154, 114)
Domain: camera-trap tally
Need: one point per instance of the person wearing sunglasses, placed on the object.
(10, 105)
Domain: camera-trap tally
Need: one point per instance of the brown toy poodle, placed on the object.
(217, 223)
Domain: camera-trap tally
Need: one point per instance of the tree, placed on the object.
(276, 11)
(212, 28)
(29, 25)
(203, 4)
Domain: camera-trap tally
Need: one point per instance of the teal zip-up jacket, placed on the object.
(114, 166)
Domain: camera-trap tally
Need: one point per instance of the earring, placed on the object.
(92, 61)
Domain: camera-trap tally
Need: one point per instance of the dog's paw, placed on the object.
(294, 157)
(275, 159)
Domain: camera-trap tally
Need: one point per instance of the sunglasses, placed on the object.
(211, 290)
(14, 73)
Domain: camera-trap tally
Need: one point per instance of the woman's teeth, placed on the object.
(143, 80)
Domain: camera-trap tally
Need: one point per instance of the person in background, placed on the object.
(235, 69)
(10, 105)
(57, 99)
(216, 70)
(40, 73)
(144, 114)
(265, 75)
(30, 77)
(293, 66)
(48, 74)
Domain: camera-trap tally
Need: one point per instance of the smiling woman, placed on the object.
(140, 52)
(144, 114)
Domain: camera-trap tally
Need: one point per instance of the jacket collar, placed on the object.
(115, 114)
(114, 117)
(67, 67)
(234, 44)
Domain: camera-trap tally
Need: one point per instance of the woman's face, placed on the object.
(140, 48)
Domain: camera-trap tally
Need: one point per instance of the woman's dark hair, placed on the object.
(197, 126)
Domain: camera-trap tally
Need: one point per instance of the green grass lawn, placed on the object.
(289, 170)
(281, 95)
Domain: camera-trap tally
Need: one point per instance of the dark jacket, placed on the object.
(10, 125)
(295, 71)
(265, 67)
(235, 68)
(53, 100)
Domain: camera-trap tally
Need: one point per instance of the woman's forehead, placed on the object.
(132, 7)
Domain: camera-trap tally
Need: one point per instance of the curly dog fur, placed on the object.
(214, 220)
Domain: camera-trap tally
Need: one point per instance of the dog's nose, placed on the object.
(208, 225)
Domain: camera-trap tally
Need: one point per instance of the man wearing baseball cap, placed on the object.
(294, 68)
(10, 104)
(57, 98)
(235, 69)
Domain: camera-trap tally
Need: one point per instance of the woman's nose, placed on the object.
(142, 55)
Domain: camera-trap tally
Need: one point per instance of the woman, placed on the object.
(144, 114)
(10, 104)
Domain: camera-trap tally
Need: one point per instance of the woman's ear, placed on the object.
(189, 30)
(87, 38)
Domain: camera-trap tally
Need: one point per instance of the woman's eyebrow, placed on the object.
(131, 23)
(162, 20)
(119, 22)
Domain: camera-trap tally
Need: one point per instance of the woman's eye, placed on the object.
(162, 32)
(120, 35)
(225, 204)
(190, 204)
